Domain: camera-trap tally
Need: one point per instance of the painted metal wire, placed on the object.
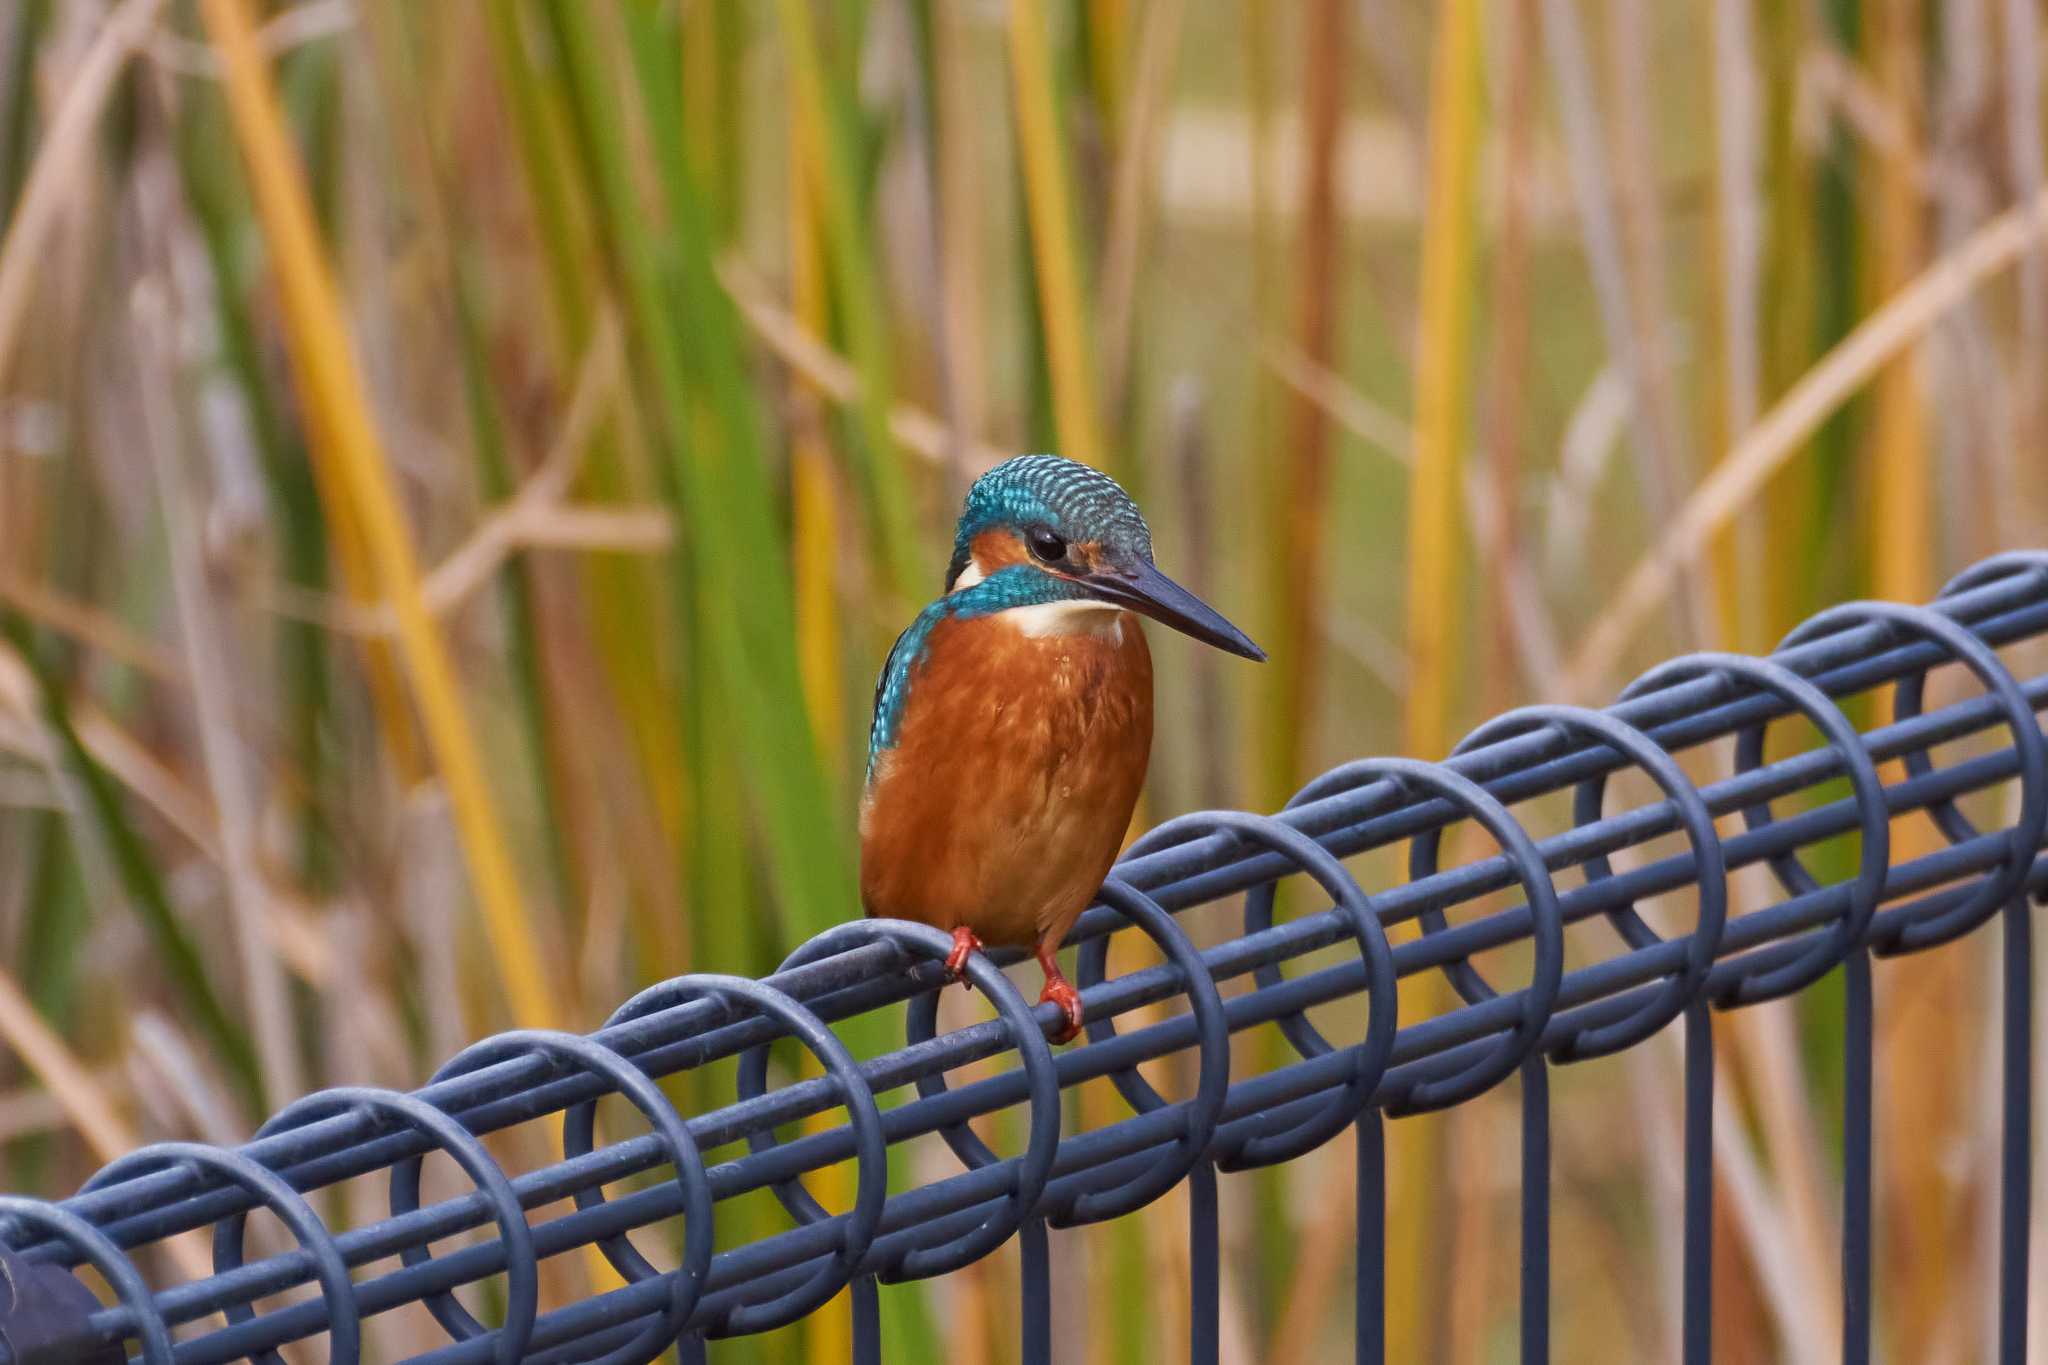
(679, 1175)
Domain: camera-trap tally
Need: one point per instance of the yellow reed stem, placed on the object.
(1434, 601)
(814, 555)
(814, 509)
(1440, 380)
(1075, 408)
(345, 445)
(1902, 492)
(1925, 1249)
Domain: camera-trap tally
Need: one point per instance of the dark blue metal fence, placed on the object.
(1501, 1030)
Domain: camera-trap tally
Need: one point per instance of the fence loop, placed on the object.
(1212, 1083)
(522, 1268)
(87, 1243)
(1372, 1053)
(1830, 947)
(2025, 835)
(1710, 920)
(2010, 564)
(1546, 919)
(344, 1321)
(871, 1164)
(1034, 1167)
(578, 1133)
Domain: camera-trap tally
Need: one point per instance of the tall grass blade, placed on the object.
(1056, 256)
(1927, 1093)
(184, 964)
(624, 600)
(87, 1106)
(17, 112)
(2025, 164)
(37, 212)
(1298, 491)
(496, 473)
(344, 436)
(718, 481)
(211, 659)
(1435, 604)
(956, 120)
(1737, 302)
(814, 552)
(295, 502)
(1508, 362)
(823, 151)
(814, 513)
(1299, 531)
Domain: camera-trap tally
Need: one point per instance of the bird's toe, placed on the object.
(1063, 994)
(966, 943)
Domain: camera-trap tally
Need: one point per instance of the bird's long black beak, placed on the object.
(1145, 590)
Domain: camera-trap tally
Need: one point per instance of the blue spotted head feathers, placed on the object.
(1067, 498)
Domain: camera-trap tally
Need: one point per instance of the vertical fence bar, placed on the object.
(2016, 1164)
(1035, 1292)
(1205, 1279)
(1535, 1210)
(1370, 1332)
(867, 1322)
(1856, 1160)
(1696, 1304)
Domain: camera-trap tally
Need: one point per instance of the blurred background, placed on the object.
(463, 464)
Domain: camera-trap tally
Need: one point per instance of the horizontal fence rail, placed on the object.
(674, 1180)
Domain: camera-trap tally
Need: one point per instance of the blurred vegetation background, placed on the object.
(462, 465)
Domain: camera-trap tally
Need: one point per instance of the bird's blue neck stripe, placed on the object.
(1019, 585)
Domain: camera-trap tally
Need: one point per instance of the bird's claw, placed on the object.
(1061, 992)
(966, 943)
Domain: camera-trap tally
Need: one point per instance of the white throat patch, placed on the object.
(1052, 618)
(1067, 618)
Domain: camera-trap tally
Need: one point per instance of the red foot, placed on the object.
(966, 943)
(1061, 992)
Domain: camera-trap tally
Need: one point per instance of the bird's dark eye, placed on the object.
(1047, 544)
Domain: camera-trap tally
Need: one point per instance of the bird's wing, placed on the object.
(882, 684)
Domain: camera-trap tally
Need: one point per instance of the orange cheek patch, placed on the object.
(994, 550)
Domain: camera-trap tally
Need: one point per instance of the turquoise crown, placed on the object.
(1076, 502)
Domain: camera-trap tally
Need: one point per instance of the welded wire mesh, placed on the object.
(1694, 729)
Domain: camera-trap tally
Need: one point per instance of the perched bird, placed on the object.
(1013, 719)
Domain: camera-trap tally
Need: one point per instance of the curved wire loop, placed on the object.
(1031, 1170)
(1710, 862)
(1453, 1085)
(2009, 564)
(344, 1319)
(96, 1250)
(1371, 1055)
(871, 1159)
(576, 1052)
(1103, 1200)
(522, 1269)
(1831, 946)
(2025, 835)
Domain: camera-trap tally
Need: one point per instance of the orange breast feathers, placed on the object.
(1016, 767)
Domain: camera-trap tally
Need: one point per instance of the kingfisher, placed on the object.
(1013, 718)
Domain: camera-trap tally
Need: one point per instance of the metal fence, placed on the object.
(1501, 1030)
